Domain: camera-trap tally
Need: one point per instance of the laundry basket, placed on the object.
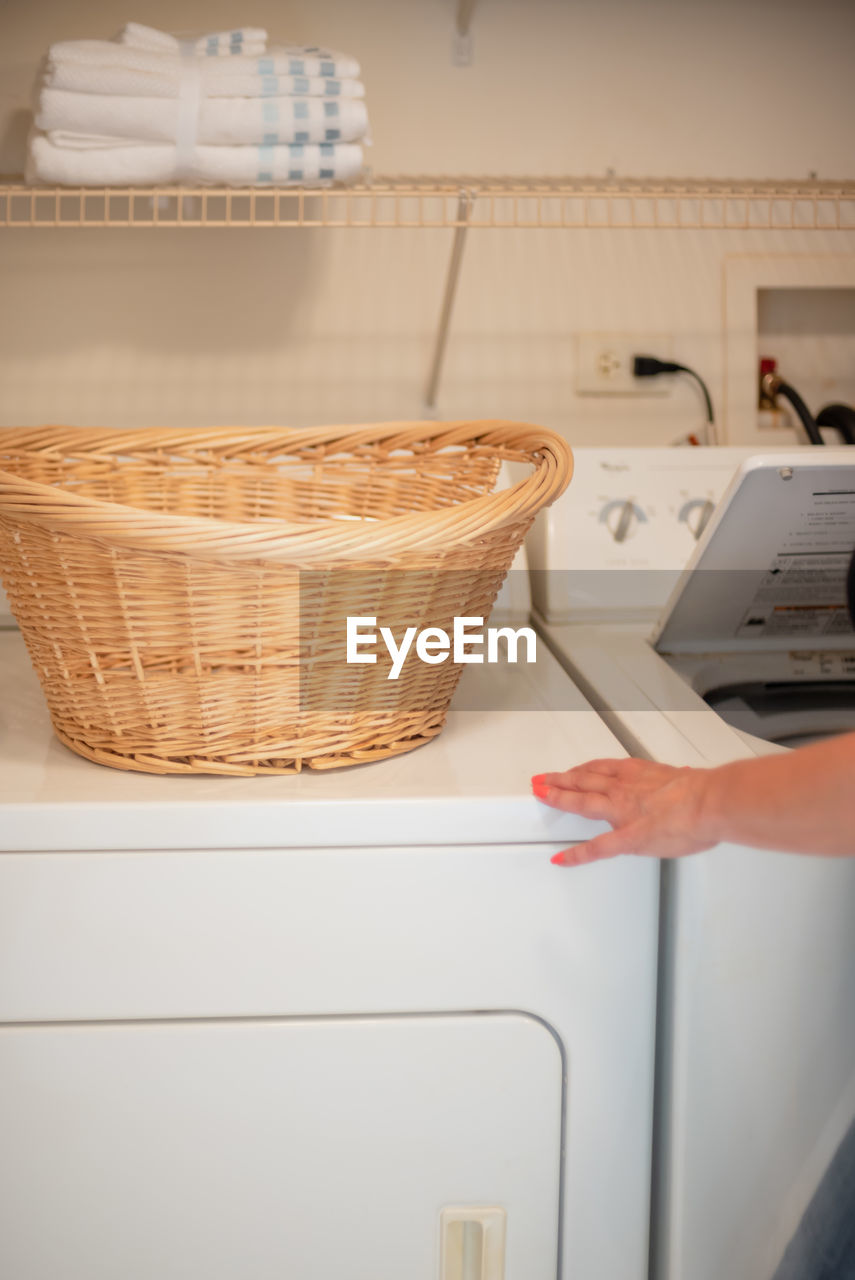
(184, 594)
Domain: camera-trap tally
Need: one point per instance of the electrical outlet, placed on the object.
(604, 364)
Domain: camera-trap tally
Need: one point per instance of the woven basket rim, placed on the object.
(306, 541)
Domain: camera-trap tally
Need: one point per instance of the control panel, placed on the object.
(615, 543)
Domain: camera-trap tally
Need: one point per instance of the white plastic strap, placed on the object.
(189, 97)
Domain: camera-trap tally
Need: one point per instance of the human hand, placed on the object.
(654, 809)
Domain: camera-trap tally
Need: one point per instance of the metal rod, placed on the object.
(464, 209)
(464, 16)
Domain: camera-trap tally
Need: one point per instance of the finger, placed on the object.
(557, 784)
(632, 771)
(586, 780)
(603, 775)
(610, 767)
(587, 804)
(605, 768)
(609, 845)
(580, 854)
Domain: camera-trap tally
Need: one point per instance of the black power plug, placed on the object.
(650, 367)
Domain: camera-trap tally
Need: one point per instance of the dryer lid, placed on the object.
(770, 570)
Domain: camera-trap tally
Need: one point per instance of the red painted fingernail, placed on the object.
(539, 788)
(558, 859)
(538, 777)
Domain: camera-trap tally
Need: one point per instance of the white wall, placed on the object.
(138, 326)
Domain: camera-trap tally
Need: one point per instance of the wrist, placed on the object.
(713, 786)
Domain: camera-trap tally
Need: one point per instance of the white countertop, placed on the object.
(469, 786)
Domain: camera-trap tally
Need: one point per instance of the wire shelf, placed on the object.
(497, 202)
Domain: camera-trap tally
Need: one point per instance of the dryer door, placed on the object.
(313, 1149)
(791, 713)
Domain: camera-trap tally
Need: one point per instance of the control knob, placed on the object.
(619, 517)
(695, 514)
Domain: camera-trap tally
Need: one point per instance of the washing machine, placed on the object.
(347, 1024)
(696, 596)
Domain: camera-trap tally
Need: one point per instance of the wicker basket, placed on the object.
(183, 593)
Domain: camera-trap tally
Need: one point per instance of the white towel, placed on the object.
(145, 164)
(313, 61)
(215, 44)
(132, 83)
(66, 116)
(101, 66)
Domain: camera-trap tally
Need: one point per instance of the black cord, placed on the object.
(650, 367)
(841, 417)
(789, 393)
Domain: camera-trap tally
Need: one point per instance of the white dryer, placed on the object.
(346, 1025)
(756, 1045)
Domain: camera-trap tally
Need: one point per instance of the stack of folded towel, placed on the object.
(149, 108)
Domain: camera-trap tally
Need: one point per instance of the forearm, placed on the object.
(803, 801)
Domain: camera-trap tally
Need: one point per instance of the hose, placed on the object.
(841, 417)
(774, 386)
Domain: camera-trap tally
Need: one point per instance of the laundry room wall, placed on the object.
(137, 326)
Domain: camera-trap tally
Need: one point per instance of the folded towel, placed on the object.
(107, 58)
(65, 116)
(309, 60)
(216, 44)
(144, 164)
(166, 83)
